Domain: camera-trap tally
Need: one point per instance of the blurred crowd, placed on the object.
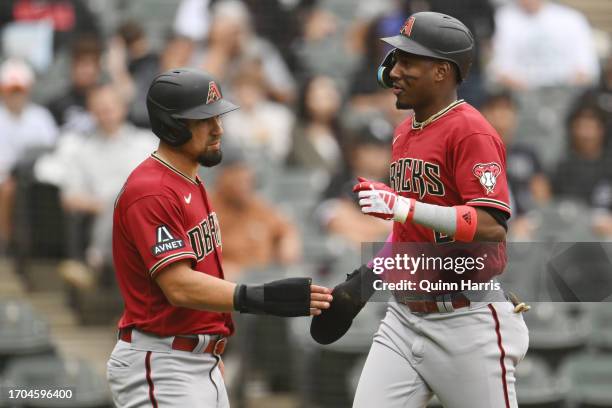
(73, 122)
(75, 73)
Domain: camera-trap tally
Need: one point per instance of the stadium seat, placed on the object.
(89, 389)
(537, 386)
(579, 272)
(563, 221)
(100, 306)
(38, 216)
(602, 326)
(555, 332)
(22, 332)
(319, 247)
(590, 377)
(523, 271)
(539, 124)
(297, 185)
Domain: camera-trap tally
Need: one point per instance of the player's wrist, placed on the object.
(460, 222)
(403, 210)
(284, 297)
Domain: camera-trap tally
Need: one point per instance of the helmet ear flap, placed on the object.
(179, 133)
(384, 70)
(172, 131)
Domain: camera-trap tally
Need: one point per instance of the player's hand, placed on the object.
(320, 298)
(380, 201)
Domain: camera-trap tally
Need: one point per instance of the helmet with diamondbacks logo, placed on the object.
(433, 35)
(180, 94)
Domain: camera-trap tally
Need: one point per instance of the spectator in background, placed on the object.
(320, 48)
(278, 22)
(364, 88)
(316, 135)
(90, 169)
(231, 42)
(260, 127)
(369, 154)
(366, 96)
(69, 110)
(601, 95)
(69, 19)
(585, 174)
(23, 125)
(132, 66)
(539, 43)
(529, 186)
(528, 183)
(255, 234)
(192, 21)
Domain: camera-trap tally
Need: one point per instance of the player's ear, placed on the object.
(442, 70)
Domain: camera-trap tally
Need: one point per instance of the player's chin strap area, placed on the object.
(285, 297)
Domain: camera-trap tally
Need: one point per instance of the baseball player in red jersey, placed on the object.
(448, 188)
(167, 252)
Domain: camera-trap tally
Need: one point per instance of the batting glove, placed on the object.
(380, 201)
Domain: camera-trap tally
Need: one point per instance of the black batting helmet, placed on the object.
(180, 94)
(434, 35)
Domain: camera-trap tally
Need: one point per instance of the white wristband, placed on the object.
(439, 218)
(401, 210)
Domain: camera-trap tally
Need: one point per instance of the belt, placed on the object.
(215, 347)
(442, 304)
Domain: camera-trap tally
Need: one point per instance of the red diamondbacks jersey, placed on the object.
(457, 158)
(162, 216)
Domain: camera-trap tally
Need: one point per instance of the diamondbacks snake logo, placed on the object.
(487, 175)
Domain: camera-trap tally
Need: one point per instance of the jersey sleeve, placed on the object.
(479, 162)
(155, 226)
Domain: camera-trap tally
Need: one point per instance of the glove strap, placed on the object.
(285, 297)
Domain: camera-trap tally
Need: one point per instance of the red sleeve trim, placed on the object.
(490, 202)
(170, 259)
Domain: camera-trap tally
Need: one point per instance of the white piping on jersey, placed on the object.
(174, 169)
(420, 125)
(163, 261)
(491, 201)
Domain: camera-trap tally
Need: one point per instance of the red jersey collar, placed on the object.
(420, 125)
(195, 181)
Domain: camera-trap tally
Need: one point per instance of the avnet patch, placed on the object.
(167, 246)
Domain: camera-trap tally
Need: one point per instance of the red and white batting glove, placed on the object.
(380, 201)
